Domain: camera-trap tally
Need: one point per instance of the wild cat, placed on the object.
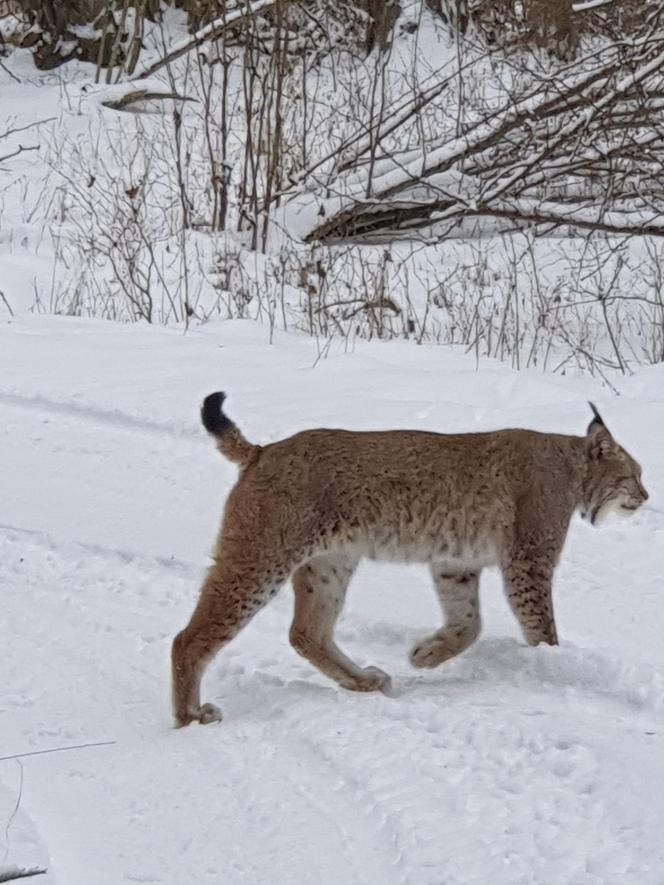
(311, 506)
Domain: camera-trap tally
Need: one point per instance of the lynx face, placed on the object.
(613, 480)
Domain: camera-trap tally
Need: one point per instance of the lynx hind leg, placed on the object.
(320, 591)
(232, 593)
(528, 587)
(458, 593)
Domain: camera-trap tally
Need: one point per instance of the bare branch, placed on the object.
(122, 103)
(210, 32)
(21, 149)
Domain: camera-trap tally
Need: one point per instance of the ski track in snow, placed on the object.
(117, 420)
(431, 786)
(507, 765)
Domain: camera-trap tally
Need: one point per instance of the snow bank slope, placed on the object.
(509, 765)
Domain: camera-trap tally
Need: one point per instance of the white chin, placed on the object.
(606, 511)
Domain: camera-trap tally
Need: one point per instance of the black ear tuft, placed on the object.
(597, 420)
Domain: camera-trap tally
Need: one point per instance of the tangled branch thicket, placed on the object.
(54, 26)
(581, 147)
(330, 167)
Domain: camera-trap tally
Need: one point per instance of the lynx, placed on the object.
(311, 506)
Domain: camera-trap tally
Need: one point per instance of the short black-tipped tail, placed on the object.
(230, 442)
(212, 416)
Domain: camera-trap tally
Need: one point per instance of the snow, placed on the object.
(590, 4)
(21, 841)
(508, 765)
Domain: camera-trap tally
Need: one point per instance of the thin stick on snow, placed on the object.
(3, 298)
(14, 873)
(10, 73)
(56, 750)
(21, 149)
(13, 130)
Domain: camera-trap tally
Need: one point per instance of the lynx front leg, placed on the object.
(458, 593)
(320, 590)
(528, 585)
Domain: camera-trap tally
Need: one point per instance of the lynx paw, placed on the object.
(209, 713)
(205, 714)
(371, 679)
(434, 651)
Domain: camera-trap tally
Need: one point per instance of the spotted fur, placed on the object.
(311, 506)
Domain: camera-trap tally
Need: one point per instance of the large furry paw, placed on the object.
(205, 714)
(209, 713)
(371, 679)
(436, 650)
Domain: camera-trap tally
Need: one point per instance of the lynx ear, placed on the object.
(598, 437)
(597, 419)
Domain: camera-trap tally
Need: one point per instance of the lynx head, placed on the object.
(612, 482)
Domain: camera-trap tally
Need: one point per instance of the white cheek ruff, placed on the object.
(612, 507)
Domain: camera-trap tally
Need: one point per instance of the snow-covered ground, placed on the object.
(509, 765)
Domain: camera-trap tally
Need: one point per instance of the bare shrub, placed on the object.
(190, 213)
